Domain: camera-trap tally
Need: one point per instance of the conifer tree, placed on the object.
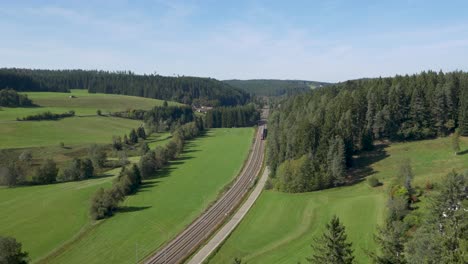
(133, 137)
(332, 247)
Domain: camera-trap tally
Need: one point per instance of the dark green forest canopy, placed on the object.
(263, 87)
(187, 90)
(237, 116)
(318, 132)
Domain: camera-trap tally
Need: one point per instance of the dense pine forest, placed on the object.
(274, 87)
(187, 90)
(313, 136)
(239, 116)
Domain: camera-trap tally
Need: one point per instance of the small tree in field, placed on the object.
(456, 141)
(47, 173)
(332, 247)
(10, 251)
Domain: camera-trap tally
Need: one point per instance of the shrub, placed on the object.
(47, 173)
(97, 155)
(373, 181)
(78, 170)
(10, 251)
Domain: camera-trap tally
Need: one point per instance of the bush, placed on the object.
(78, 170)
(10, 251)
(47, 116)
(103, 204)
(97, 155)
(10, 98)
(373, 181)
(47, 173)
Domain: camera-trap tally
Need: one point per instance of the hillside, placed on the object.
(182, 89)
(281, 226)
(265, 87)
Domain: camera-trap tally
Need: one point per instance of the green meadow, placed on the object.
(281, 227)
(53, 224)
(85, 127)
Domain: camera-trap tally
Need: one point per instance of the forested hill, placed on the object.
(274, 87)
(188, 90)
(313, 136)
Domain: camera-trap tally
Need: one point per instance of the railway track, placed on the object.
(183, 245)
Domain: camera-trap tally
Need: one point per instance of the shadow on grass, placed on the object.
(130, 209)
(158, 139)
(363, 162)
(462, 152)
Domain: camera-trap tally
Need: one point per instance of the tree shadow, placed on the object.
(362, 163)
(129, 209)
(463, 152)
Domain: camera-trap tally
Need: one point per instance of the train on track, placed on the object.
(264, 133)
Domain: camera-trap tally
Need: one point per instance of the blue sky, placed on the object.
(312, 40)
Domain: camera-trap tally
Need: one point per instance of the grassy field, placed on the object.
(280, 227)
(86, 127)
(43, 218)
(70, 131)
(54, 213)
(84, 104)
(166, 204)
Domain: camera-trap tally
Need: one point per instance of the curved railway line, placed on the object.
(184, 244)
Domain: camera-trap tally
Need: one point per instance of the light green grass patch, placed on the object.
(43, 217)
(70, 131)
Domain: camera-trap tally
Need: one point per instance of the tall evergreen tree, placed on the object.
(336, 162)
(133, 137)
(332, 247)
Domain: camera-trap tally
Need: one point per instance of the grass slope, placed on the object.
(84, 104)
(280, 227)
(71, 131)
(86, 127)
(165, 204)
(44, 217)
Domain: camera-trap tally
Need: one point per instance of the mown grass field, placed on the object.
(43, 217)
(84, 104)
(86, 127)
(280, 227)
(162, 208)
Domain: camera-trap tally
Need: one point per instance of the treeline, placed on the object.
(312, 137)
(46, 116)
(165, 118)
(105, 202)
(160, 118)
(14, 170)
(275, 87)
(187, 90)
(238, 116)
(10, 98)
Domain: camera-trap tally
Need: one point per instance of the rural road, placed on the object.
(188, 241)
